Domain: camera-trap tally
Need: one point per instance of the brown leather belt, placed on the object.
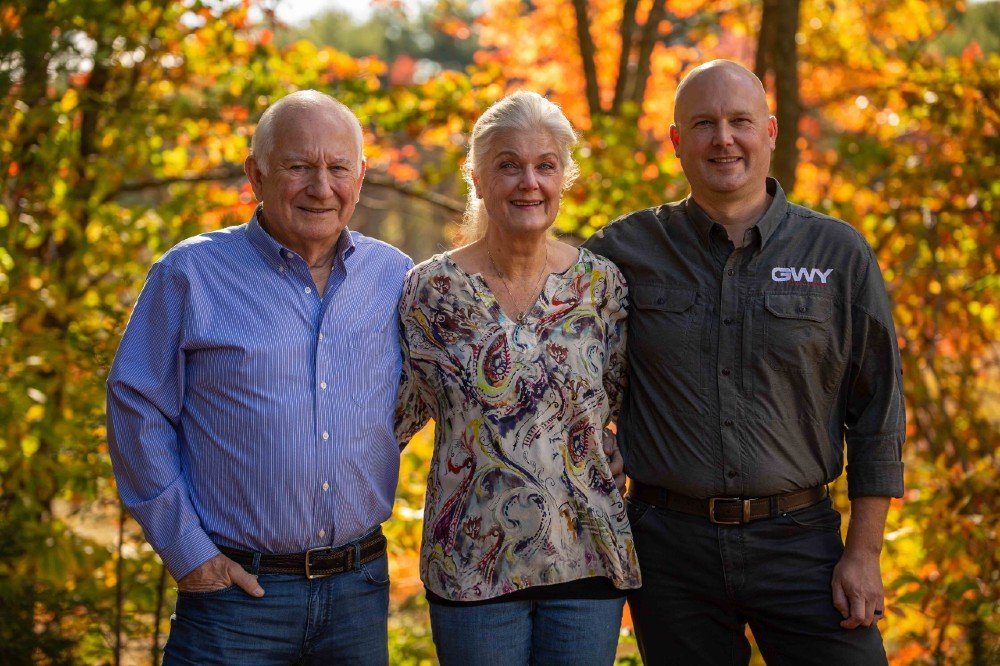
(729, 510)
(315, 562)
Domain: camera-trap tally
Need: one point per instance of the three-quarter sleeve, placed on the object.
(615, 311)
(145, 392)
(412, 412)
(875, 418)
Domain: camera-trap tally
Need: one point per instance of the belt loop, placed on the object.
(255, 567)
(356, 564)
(772, 506)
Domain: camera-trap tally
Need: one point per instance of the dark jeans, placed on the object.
(335, 620)
(703, 583)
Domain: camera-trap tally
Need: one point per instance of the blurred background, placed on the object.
(124, 125)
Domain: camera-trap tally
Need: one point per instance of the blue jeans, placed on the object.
(340, 619)
(574, 632)
(703, 583)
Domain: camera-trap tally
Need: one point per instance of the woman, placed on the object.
(514, 345)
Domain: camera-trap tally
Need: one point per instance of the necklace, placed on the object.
(523, 315)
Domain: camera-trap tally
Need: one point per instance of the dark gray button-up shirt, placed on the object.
(751, 366)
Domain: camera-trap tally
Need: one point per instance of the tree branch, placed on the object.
(627, 30)
(650, 33)
(587, 56)
(233, 171)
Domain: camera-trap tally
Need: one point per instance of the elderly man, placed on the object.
(761, 339)
(250, 410)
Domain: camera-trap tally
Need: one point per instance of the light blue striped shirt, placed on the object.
(245, 411)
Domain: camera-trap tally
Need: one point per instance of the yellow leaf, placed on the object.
(34, 414)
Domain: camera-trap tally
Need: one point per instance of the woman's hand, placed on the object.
(615, 462)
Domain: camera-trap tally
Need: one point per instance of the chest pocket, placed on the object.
(664, 321)
(797, 333)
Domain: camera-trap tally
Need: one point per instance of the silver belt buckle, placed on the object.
(309, 574)
(711, 510)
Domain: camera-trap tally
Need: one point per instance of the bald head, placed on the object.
(723, 135)
(292, 107)
(717, 74)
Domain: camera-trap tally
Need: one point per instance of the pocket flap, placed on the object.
(799, 306)
(655, 297)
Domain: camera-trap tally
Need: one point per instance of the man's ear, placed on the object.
(772, 130)
(254, 175)
(361, 179)
(675, 138)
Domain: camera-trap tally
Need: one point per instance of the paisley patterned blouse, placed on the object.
(519, 492)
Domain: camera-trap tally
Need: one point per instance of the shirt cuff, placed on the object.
(188, 553)
(875, 478)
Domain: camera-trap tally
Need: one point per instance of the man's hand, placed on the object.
(218, 573)
(857, 590)
(857, 579)
(615, 462)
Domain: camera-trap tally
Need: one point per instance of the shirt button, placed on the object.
(320, 336)
(309, 290)
(322, 533)
(661, 300)
(730, 271)
(729, 422)
(326, 486)
(727, 321)
(326, 435)
(726, 371)
(732, 474)
(281, 269)
(322, 385)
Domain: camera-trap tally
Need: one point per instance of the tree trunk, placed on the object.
(627, 30)
(587, 56)
(777, 53)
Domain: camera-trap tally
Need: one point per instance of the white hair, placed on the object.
(262, 142)
(520, 111)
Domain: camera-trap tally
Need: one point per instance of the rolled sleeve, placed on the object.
(876, 416)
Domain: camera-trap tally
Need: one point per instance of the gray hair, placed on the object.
(262, 142)
(519, 111)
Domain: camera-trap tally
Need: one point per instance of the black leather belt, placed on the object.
(315, 562)
(729, 510)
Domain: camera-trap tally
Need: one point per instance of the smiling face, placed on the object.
(723, 134)
(521, 181)
(310, 184)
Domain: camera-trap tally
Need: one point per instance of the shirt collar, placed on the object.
(276, 254)
(765, 226)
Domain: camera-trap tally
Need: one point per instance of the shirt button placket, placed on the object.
(729, 333)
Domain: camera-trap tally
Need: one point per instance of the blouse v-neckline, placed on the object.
(488, 298)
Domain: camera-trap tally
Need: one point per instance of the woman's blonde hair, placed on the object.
(520, 111)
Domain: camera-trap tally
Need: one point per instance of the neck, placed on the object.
(517, 256)
(736, 215)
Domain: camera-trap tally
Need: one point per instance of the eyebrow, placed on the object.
(709, 116)
(511, 153)
(311, 160)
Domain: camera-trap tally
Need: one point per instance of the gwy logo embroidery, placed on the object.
(807, 275)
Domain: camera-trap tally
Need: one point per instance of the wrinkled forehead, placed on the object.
(529, 143)
(312, 130)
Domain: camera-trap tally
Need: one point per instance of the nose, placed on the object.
(529, 181)
(319, 183)
(723, 135)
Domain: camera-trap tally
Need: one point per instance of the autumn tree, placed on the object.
(123, 127)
